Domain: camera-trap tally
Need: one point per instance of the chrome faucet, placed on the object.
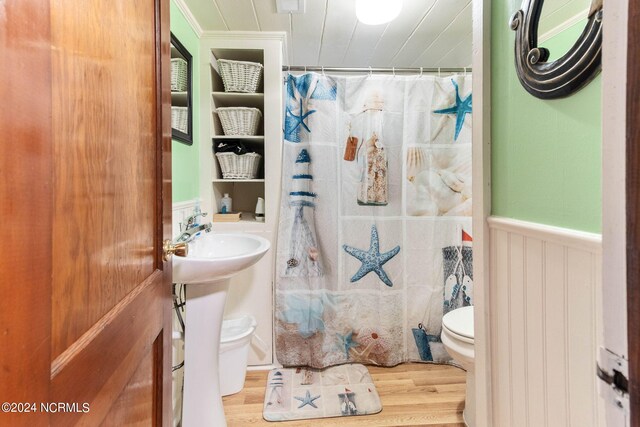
(190, 229)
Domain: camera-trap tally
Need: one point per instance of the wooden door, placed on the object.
(85, 331)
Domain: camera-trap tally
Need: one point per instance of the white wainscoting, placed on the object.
(180, 211)
(545, 310)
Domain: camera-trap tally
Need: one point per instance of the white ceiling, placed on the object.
(428, 33)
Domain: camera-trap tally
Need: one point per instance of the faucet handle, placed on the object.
(192, 218)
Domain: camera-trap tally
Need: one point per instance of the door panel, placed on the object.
(134, 406)
(85, 200)
(98, 367)
(103, 78)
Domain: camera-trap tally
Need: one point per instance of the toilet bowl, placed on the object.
(458, 339)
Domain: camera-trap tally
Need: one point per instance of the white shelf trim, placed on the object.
(245, 137)
(245, 35)
(240, 94)
(237, 180)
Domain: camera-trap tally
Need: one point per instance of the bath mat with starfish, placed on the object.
(303, 393)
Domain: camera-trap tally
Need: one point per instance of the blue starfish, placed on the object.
(348, 342)
(372, 260)
(460, 109)
(307, 400)
(299, 120)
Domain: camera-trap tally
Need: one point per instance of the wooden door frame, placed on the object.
(633, 208)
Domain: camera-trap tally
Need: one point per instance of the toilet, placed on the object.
(457, 338)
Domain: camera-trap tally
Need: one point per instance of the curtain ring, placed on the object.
(439, 75)
(323, 71)
(370, 71)
(465, 71)
(305, 69)
(393, 69)
(420, 71)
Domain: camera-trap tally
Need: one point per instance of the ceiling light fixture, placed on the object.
(376, 12)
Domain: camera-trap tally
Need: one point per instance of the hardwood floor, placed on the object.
(412, 394)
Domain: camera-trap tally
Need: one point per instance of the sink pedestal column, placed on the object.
(202, 402)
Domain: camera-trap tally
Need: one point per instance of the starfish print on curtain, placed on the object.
(302, 91)
(460, 109)
(372, 260)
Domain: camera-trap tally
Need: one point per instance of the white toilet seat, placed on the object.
(457, 337)
(459, 323)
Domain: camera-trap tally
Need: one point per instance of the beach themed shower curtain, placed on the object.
(375, 240)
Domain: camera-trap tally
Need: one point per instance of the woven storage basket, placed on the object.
(178, 75)
(239, 120)
(239, 166)
(180, 118)
(240, 76)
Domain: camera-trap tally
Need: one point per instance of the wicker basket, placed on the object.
(180, 118)
(239, 120)
(239, 166)
(240, 76)
(178, 75)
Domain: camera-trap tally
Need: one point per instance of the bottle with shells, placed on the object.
(372, 157)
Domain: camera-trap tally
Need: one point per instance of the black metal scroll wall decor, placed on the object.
(568, 74)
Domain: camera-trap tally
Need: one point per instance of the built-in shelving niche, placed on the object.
(244, 192)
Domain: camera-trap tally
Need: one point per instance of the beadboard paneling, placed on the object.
(180, 211)
(329, 34)
(545, 284)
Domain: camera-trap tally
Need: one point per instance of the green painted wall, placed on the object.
(185, 159)
(546, 155)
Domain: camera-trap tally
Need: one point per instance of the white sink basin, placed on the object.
(214, 257)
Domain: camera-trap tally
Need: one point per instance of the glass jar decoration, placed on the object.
(372, 156)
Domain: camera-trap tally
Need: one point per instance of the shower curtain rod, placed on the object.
(376, 69)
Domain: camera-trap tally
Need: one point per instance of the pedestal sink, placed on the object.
(212, 260)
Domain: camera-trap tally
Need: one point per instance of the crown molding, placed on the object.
(280, 36)
(191, 20)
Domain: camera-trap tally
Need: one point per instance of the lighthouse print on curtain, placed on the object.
(374, 242)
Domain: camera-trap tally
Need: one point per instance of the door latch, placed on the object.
(613, 371)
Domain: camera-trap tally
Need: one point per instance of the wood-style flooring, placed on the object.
(412, 394)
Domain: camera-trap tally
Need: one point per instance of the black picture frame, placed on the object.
(178, 50)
